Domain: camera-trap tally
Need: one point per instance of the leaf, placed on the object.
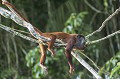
(114, 70)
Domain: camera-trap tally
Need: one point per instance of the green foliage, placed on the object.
(8, 73)
(74, 22)
(55, 64)
(11, 73)
(32, 59)
(113, 67)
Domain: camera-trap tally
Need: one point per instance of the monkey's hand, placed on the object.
(52, 52)
(71, 70)
(3, 1)
(44, 68)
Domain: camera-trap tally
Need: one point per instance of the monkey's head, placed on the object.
(80, 42)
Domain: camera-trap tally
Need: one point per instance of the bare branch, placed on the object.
(21, 22)
(26, 37)
(96, 41)
(17, 33)
(93, 8)
(103, 24)
(86, 65)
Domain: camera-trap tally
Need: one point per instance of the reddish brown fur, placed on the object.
(60, 35)
(72, 40)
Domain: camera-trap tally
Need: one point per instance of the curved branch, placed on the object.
(93, 8)
(103, 24)
(96, 41)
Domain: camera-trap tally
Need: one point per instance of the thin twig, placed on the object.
(93, 8)
(26, 37)
(109, 36)
(17, 33)
(103, 24)
(89, 59)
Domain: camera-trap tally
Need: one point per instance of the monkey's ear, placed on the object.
(79, 36)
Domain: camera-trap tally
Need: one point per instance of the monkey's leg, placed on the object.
(43, 57)
(51, 43)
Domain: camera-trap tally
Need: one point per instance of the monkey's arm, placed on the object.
(68, 50)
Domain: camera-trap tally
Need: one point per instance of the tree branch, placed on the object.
(26, 37)
(103, 24)
(86, 65)
(93, 8)
(17, 33)
(96, 41)
(21, 22)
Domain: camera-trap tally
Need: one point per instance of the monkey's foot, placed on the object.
(52, 52)
(3, 1)
(52, 55)
(44, 68)
(71, 70)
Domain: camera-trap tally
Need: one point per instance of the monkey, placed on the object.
(73, 41)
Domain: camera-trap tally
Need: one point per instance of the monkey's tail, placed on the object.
(16, 12)
(13, 9)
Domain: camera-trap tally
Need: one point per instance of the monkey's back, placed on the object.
(59, 35)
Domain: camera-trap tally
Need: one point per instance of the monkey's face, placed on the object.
(80, 42)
